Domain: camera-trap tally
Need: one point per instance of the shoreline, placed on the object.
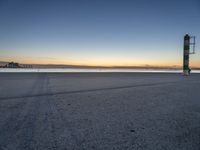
(75, 70)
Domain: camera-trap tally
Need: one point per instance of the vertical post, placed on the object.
(186, 53)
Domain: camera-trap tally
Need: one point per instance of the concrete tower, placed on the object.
(186, 53)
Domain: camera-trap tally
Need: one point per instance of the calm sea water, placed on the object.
(92, 70)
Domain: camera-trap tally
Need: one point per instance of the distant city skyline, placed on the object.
(98, 32)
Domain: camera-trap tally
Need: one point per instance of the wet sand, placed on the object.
(143, 111)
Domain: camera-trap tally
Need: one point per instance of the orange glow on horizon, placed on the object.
(103, 63)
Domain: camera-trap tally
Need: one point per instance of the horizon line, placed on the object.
(48, 65)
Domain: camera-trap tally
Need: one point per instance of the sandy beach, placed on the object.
(103, 111)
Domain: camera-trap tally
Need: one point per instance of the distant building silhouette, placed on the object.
(16, 65)
(12, 65)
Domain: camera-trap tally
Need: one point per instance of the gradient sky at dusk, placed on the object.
(98, 32)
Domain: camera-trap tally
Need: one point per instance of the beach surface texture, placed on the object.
(99, 111)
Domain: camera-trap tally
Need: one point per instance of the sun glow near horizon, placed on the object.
(112, 62)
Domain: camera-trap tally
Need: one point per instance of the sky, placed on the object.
(98, 32)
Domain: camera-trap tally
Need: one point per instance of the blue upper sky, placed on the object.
(98, 32)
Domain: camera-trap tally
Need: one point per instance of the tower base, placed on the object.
(186, 72)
